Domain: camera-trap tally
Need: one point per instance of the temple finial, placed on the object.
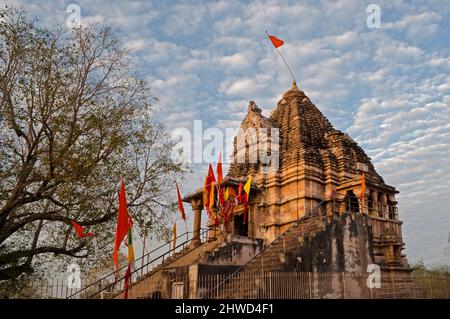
(294, 84)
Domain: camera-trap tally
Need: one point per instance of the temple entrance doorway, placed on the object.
(240, 229)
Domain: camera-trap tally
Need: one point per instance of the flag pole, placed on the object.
(287, 65)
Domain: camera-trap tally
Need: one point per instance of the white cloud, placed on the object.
(418, 26)
(241, 87)
(389, 87)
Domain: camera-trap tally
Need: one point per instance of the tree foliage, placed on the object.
(421, 269)
(74, 119)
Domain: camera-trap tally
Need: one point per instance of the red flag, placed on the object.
(123, 225)
(219, 169)
(240, 192)
(180, 203)
(127, 281)
(221, 198)
(211, 175)
(231, 192)
(275, 41)
(230, 214)
(80, 230)
(245, 207)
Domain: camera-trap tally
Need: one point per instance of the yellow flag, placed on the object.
(247, 186)
(211, 196)
(174, 235)
(225, 194)
(130, 248)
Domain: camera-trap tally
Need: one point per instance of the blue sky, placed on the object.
(389, 88)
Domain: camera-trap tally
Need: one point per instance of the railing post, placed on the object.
(217, 290)
(310, 285)
(270, 284)
(344, 296)
(431, 286)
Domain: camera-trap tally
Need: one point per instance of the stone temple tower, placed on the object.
(316, 164)
(316, 206)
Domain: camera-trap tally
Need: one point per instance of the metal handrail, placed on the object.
(137, 269)
(116, 272)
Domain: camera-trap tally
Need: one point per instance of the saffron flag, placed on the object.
(180, 203)
(211, 196)
(219, 169)
(174, 235)
(275, 41)
(80, 230)
(207, 188)
(123, 224)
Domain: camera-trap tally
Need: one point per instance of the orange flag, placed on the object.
(207, 188)
(275, 41)
(80, 230)
(180, 203)
(123, 225)
(219, 169)
(211, 196)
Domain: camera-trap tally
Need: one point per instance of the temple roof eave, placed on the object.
(369, 183)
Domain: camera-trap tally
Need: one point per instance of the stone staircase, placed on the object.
(145, 285)
(273, 257)
(235, 251)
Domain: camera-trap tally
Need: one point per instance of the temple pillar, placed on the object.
(384, 205)
(197, 206)
(373, 203)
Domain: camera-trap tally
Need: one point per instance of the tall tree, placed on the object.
(74, 118)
